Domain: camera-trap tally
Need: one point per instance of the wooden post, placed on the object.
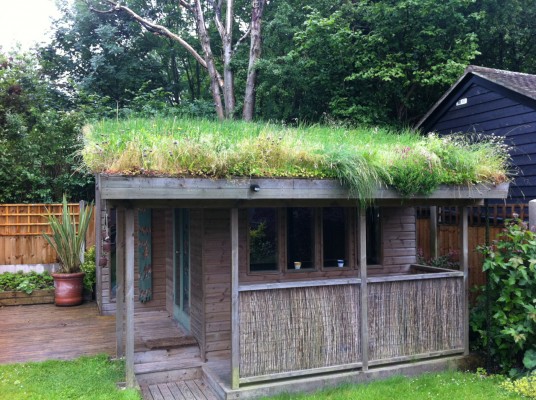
(434, 247)
(464, 261)
(120, 282)
(98, 240)
(362, 229)
(129, 297)
(235, 316)
(532, 215)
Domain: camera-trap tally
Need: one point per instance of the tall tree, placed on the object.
(224, 19)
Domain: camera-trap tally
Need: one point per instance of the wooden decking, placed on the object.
(45, 332)
(163, 351)
(194, 389)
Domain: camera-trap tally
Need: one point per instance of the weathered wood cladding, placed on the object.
(161, 242)
(415, 317)
(197, 288)
(298, 329)
(399, 238)
(216, 260)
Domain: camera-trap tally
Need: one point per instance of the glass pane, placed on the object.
(334, 237)
(300, 234)
(373, 236)
(263, 239)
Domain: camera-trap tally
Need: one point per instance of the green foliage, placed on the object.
(67, 238)
(86, 378)
(89, 267)
(39, 137)
(361, 158)
(525, 386)
(25, 282)
(451, 385)
(511, 266)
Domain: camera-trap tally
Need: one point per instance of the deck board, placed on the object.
(183, 390)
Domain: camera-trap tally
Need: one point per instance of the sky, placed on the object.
(25, 22)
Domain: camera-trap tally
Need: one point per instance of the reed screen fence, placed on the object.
(21, 228)
(297, 329)
(415, 317)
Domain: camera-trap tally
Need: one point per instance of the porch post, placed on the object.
(129, 297)
(235, 317)
(362, 229)
(434, 248)
(464, 261)
(120, 281)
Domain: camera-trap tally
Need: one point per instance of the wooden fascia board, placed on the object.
(128, 188)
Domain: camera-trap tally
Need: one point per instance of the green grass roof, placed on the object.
(361, 158)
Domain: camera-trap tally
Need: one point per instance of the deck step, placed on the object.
(170, 342)
(168, 375)
(193, 389)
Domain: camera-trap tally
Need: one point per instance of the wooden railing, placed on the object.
(21, 228)
(300, 328)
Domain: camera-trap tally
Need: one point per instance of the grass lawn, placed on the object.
(84, 378)
(445, 385)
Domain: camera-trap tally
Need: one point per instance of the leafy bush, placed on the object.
(511, 265)
(89, 267)
(525, 386)
(25, 282)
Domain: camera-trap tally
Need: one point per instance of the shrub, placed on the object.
(25, 282)
(89, 267)
(525, 386)
(511, 265)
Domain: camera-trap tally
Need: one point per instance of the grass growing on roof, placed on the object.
(361, 158)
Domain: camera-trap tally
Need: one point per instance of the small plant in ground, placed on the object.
(525, 386)
(89, 267)
(25, 282)
(511, 265)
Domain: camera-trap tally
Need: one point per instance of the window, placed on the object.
(373, 236)
(263, 239)
(334, 240)
(300, 238)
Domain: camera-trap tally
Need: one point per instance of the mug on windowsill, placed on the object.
(297, 264)
(340, 263)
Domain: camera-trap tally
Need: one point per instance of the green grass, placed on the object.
(361, 158)
(441, 386)
(91, 378)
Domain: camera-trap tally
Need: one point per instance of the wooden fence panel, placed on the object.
(448, 234)
(21, 228)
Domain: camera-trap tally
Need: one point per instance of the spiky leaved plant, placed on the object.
(66, 240)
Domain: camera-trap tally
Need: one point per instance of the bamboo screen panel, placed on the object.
(414, 317)
(295, 329)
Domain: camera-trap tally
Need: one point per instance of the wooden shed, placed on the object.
(283, 284)
(493, 102)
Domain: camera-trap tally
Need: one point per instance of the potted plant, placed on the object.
(67, 240)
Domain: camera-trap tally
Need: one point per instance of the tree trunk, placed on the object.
(228, 78)
(257, 10)
(204, 39)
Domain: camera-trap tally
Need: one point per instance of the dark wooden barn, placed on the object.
(493, 102)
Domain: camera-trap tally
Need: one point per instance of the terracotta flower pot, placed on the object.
(68, 289)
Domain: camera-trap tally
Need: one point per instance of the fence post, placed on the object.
(81, 207)
(532, 215)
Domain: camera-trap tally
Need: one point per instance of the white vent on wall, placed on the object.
(461, 102)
